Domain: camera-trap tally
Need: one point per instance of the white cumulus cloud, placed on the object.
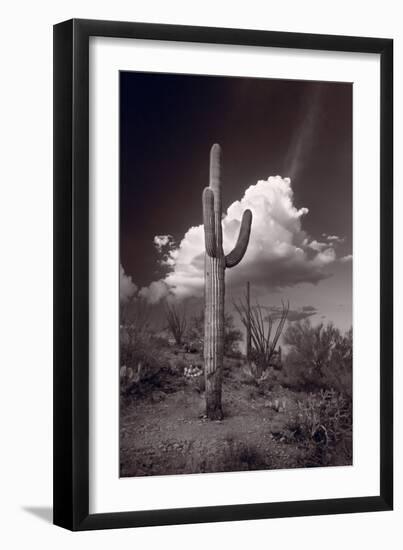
(335, 239)
(280, 253)
(160, 241)
(347, 258)
(155, 292)
(317, 245)
(127, 287)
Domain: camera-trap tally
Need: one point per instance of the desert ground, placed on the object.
(275, 421)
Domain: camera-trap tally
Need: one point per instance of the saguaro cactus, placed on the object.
(214, 281)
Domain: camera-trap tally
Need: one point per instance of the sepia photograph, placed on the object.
(236, 258)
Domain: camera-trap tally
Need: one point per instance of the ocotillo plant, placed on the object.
(214, 280)
(177, 322)
(248, 325)
(263, 332)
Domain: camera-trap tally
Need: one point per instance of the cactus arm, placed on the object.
(208, 221)
(215, 174)
(215, 185)
(234, 257)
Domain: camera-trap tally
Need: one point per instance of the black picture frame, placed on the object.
(71, 274)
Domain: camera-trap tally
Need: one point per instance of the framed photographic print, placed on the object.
(223, 316)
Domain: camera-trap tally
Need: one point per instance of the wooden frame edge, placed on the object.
(71, 286)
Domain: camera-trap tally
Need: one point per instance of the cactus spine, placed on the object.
(214, 280)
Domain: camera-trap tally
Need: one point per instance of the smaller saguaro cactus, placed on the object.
(215, 264)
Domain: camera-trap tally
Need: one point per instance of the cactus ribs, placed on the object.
(214, 279)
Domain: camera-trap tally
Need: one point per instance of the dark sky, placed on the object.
(265, 127)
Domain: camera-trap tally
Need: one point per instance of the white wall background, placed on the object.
(26, 274)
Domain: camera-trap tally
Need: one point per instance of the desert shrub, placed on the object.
(226, 455)
(242, 455)
(134, 317)
(319, 356)
(254, 376)
(138, 342)
(338, 372)
(159, 342)
(194, 377)
(328, 411)
(233, 455)
(323, 423)
(129, 378)
(139, 360)
(180, 365)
